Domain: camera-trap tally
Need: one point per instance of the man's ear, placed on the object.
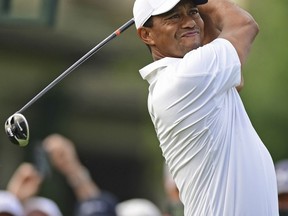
(145, 35)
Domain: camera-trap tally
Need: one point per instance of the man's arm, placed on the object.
(64, 157)
(225, 19)
(25, 182)
(234, 24)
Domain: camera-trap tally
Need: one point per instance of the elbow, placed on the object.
(241, 85)
(253, 25)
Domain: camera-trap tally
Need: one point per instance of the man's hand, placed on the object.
(25, 181)
(63, 156)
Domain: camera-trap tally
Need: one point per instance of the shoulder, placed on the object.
(221, 48)
(217, 55)
(223, 44)
(218, 46)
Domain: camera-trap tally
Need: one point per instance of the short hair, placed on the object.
(149, 23)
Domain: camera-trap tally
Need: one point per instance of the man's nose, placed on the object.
(188, 22)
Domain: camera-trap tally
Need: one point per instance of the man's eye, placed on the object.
(174, 16)
(194, 11)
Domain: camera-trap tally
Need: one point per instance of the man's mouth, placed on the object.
(190, 33)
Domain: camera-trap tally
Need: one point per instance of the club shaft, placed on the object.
(78, 63)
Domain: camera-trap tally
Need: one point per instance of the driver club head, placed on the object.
(17, 129)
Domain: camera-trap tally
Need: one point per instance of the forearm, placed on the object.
(225, 14)
(232, 22)
(225, 19)
(211, 32)
(82, 184)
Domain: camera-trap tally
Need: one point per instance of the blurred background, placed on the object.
(101, 106)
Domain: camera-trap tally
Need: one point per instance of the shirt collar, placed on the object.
(150, 72)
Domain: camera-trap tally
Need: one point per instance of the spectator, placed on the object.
(137, 207)
(281, 168)
(41, 206)
(25, 184)
(92, 201)
(173, 207)
(10, 204)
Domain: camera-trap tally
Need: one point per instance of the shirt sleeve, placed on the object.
(218, 60)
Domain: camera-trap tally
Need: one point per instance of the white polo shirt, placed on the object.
(217, 160)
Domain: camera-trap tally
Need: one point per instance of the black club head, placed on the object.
(17, 129)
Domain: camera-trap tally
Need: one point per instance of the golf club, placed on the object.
(16, 126)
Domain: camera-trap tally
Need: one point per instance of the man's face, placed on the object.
(176, 32)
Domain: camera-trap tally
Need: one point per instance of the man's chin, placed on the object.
(190, 48)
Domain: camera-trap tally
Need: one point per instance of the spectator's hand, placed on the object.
(62, 154)
(25, 181)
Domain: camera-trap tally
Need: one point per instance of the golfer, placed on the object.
(219, 163)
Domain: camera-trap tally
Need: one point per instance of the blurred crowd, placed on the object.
(20, 197)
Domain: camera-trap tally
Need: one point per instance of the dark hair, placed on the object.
(149, 23)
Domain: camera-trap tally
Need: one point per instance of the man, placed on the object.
(173, 205)
(137, 207)
(24, 185)
(41, 206)
(281, 168)
(92, 200)
(216, 158)
(25, 182)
